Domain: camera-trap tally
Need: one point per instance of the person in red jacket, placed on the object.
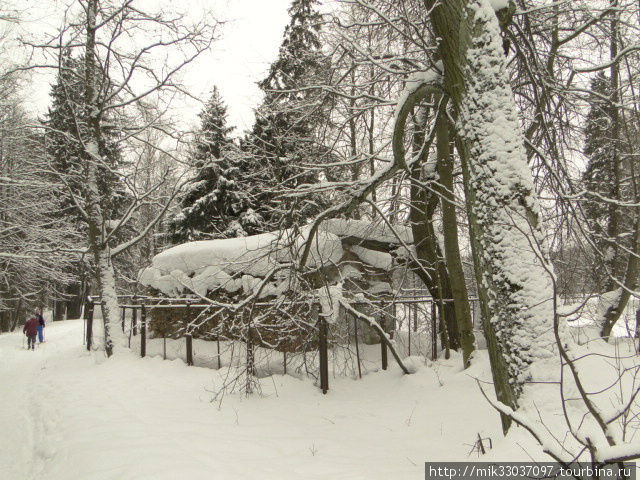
(30, 329)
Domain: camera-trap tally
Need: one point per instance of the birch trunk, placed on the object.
(101, 256)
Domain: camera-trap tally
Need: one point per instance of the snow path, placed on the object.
(27, 421)
(68, 414)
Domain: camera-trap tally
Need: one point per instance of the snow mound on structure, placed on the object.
(499, 4)
(242, 263)
(236, 263)
(381, 260)
(367, 231)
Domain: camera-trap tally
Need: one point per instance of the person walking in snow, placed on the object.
(40, 326)
(30, 329)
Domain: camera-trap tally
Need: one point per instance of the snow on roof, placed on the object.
(234, 263)
(381, 260)
(499, 4)
(239, 263)
(364, 230)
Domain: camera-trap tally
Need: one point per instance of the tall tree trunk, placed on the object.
(353, 137)
(451, 245)
(16, 315)
(4, 320)
(445, 303)
(431, 269)
(58, 310)
(372, 149)
(101, 256)
(423, 204)
(514, 285)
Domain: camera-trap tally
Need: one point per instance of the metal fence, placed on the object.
(413, 316)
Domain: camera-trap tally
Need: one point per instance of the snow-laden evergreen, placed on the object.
(284, 138)
(606, 191)
(220, 201)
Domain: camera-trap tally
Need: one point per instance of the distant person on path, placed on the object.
(30, 329)
(40, 326)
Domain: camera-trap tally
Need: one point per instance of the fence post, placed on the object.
(383, 345)
(218, 345)
(434, 331)
(188, 336)
(189, 339)
(324, 355)
(124, 313)
(134, 318)
(89, 310)
(473, 312)
(355, 327)
(284, 355)
(411, 305)
(143, 331)
(638, 328)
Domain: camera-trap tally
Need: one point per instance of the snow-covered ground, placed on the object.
(70, 414)
(583, 312)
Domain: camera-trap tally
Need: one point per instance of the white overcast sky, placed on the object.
(249, 42)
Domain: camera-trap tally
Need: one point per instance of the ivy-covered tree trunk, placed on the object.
(514, 285)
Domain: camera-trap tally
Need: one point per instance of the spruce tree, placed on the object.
(218, 201)
(283, 138)
(66, 122)
(603, 184)
(214, 133)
